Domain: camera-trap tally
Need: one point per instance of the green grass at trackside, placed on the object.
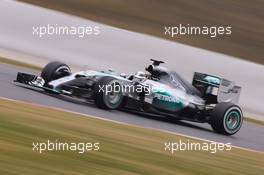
(19, 63)
(150, 16)
(123, 149)
(256, 121)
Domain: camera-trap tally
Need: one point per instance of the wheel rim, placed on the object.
(113, 98)
(233, 120)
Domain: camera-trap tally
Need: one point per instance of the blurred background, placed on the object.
(150, 17)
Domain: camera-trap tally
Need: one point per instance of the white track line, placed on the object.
(123, 123)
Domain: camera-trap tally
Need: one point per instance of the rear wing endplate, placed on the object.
(215, 89)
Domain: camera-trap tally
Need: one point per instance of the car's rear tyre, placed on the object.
(54, 70)
(107, 95)
(226, 118)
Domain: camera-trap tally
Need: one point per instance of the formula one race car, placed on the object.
(157, 91)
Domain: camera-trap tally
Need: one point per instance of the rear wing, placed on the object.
(215, 90)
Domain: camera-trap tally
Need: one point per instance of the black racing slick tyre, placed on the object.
(107, 93)
(226, 118)
(54, 70)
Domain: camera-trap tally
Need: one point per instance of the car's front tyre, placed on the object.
(54, 70)
(108, 93)
(226, 118)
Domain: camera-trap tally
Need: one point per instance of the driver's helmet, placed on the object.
(139, 76)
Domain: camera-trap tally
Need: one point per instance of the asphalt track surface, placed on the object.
(250, 136)
(119, 49)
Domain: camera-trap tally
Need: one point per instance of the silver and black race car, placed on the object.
(157, 90)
